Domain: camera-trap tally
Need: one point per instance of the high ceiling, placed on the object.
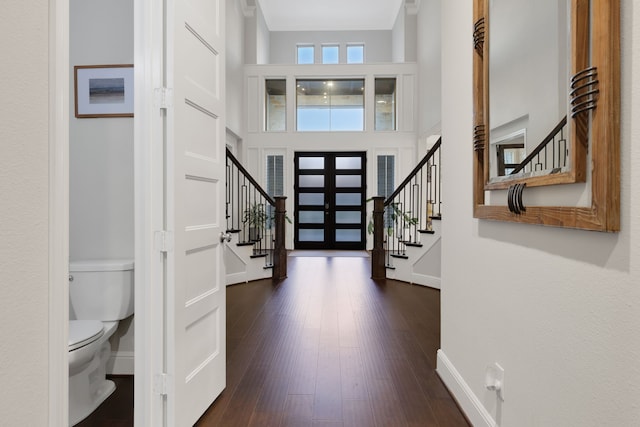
(330, 15)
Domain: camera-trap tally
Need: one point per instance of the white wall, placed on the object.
(404, 36)
(101, 217)
(557, 308)
(101, 149)
(256, 37)
(429, 67)
(263, 42)
(235, 66)
(377, 44)
(397, 37)
(410, 37)
(24, 214)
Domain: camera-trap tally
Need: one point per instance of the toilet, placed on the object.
(100, 295)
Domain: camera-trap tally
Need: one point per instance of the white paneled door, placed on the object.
(195, 188)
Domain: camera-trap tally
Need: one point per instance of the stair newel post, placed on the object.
(279, 250)
(378, 269)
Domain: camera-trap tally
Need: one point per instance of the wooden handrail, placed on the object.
(540, 146)
(241, 168)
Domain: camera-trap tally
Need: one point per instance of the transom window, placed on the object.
(305, 54)
(330, 54)
(355, 54)
(330, 105)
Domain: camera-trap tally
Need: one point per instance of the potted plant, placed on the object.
(394, 216)
(255, 217)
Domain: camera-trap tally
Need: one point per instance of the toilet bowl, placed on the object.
(100, 294)
(84, 337)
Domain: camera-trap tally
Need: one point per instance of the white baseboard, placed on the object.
(121, 363)
(469, 402)
(424, 280)
(235, 278)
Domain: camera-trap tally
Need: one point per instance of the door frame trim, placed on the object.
(149, 26)
(58, 370)
(148, 408)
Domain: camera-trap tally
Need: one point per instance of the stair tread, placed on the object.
(399, 256)
(259, 255)
(427, 231)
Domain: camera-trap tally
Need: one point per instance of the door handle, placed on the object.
(225, 237)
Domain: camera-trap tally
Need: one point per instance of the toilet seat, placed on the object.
(83, 332)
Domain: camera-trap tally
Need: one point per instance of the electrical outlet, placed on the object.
(494, 380)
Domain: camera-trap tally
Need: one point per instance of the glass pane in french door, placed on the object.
(330, 200)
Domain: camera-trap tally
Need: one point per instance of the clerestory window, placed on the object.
(355, 54)
(305, 54)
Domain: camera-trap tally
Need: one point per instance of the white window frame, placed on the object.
(330, 45)
(305, 45)
(350, 45)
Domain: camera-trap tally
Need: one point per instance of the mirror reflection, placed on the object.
(528, 88)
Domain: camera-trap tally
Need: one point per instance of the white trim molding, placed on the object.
(58, 213)
(425, 280)
(121, 363)
(149, 30)
(412, 6)
(468, 401)
(248, 8)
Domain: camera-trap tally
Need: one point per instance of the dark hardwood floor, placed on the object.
(326, 347)
(330, 347)
(117, 410)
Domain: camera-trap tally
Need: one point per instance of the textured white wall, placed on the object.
(24, 213)
(558, 309)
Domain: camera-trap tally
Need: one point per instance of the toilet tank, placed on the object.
(101, 289)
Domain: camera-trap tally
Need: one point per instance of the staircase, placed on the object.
(550, 155)
(407, 226)
(255, 223)
(420, 262)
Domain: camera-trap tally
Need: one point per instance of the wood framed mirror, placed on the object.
(554, 119)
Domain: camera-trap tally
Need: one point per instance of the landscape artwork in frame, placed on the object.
(103, 90)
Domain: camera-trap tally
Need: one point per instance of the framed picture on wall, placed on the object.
(103, 90)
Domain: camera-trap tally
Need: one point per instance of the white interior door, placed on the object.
(195, 186)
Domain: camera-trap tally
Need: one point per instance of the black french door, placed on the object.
(330, 200)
